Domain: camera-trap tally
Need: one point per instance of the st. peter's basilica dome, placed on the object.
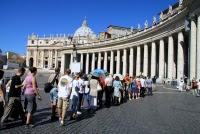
(85, 31)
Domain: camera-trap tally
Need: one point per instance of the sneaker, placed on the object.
(31, 125)
(78, 112)
(61, 123)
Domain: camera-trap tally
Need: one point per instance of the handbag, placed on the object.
(49, 85)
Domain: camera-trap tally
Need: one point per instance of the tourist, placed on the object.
(64, 91)
(100, 91)
(133, 89)
(126, 81)
(149, 83)
(198, 88)
(181, 85)
(94, 84)
(188, 85)
(194, 86)
(31, 91)
(117, 85)
(80, 93)
(86, 85)
(136, 90)
(74, 97)
(54, 78)
(2, 93)
(15, 96)
(108, 90)
(138, 87)
(143, 86)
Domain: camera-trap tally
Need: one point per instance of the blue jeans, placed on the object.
(74, 103)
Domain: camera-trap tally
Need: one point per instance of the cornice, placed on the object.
(160, 31)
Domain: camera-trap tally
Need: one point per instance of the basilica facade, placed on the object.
(169, 47)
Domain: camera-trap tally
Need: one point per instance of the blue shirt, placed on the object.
(53, 94)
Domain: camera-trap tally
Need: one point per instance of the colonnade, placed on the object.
(156, 58)
(195, 47)
(40, 56)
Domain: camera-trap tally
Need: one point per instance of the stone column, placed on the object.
(118, 62)
(198, 48)
(170, 70)
(42, 58)
(71, 60)
(99, 60)
(180, 57)
(93, 61)
(62, 63)
(105, 61)
(82, 61)
(138, 60)
(56, 58)
(27, 58)
(193, 48)
(145, 67)
(125, 62)
(153, 59)
(87, 63)
(161, 59)
(35, 60)
(50, 58)
(131, 62)
(111, 61)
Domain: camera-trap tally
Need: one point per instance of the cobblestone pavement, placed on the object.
(166, 112)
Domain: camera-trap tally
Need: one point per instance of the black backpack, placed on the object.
(49, 85)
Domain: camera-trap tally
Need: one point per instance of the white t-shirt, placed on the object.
(81, 84)
(143, 82)
(109, 81)
(86, 84)
(65, 83)
(75, 83)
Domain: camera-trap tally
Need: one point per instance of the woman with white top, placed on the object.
(74, 97)
(198, 88)
(86, 85)
(80, 94)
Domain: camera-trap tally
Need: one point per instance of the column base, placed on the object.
(160, 80)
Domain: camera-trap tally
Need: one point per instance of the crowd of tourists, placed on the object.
(70, 92)
(75, 92)
(184, 84)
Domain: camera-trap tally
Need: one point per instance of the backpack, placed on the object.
(133, 84)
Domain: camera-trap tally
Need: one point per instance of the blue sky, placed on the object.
(19, 18)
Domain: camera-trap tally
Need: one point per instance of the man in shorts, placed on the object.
(64, 91)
